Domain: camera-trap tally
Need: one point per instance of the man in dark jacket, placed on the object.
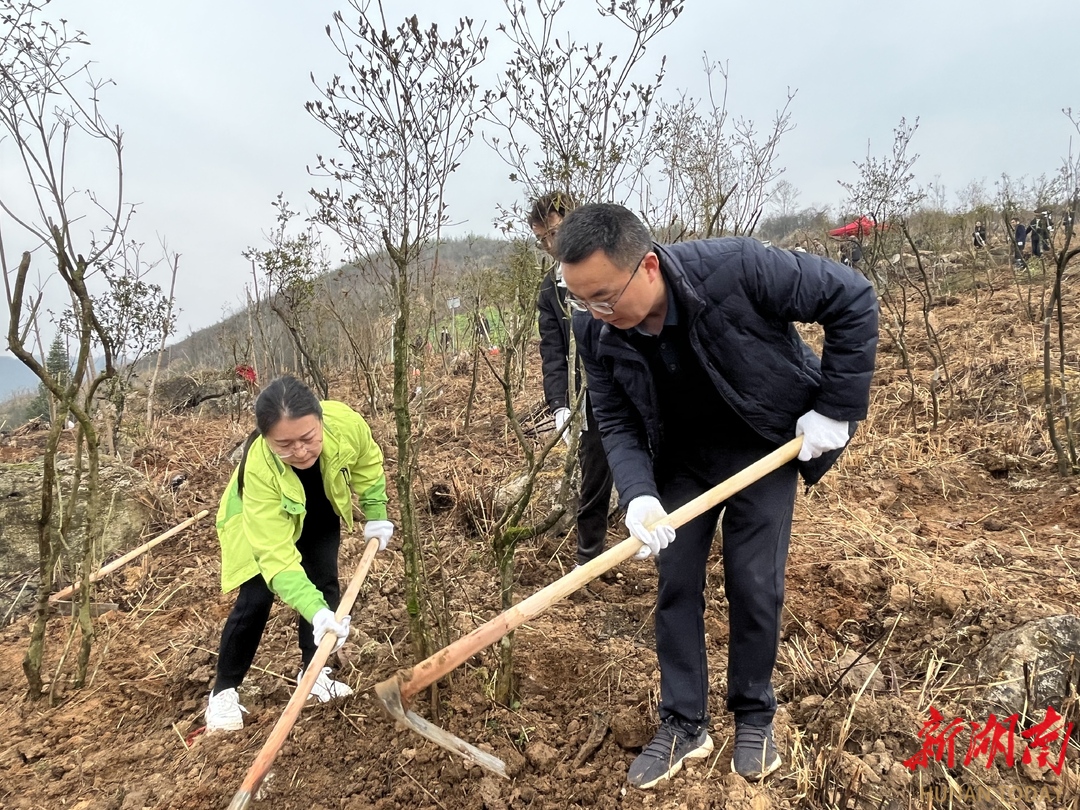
(978, 236)
(696, 370)
(545, 216)
(1019, 238)
(1044, 223)
(851, 253)
(1036, 237)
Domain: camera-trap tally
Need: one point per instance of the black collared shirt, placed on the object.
(696, 421)
(320, 517)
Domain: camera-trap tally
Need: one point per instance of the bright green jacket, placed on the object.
(258, 532)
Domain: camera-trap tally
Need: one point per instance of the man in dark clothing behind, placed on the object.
(1019, 238)
(695, 371)
(978, 236)
(545, 216)
(1036, 237)
(1044, 221)
(851, 253)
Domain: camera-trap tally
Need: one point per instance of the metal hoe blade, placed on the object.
(389, 692)
(395, 692)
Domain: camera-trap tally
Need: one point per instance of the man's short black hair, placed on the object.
(613, 229)
(554, 202)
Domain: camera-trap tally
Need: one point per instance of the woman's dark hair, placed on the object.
(284, 398)
(607, 227)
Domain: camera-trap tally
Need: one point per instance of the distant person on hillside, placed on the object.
(1035, 232)
(978, 236)
(1044, 223)
(483, 328)
(545, 217)
(1019, 238)
(279, 524)
(818, 249)
(851, 253)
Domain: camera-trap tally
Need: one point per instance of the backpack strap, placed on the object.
(243, 462)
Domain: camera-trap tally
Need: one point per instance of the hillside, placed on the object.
(354, 293)
(15, 378)
(913, 557)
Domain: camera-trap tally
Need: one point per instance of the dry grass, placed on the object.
(922, 544)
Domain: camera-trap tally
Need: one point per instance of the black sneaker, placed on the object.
(755, 754)
(663, 757)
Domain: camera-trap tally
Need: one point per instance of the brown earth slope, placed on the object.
(922, 545)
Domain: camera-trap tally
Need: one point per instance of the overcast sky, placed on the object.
(210, 96)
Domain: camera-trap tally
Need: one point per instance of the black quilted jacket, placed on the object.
(741, 300)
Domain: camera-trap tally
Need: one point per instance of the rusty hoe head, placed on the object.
(389, 692)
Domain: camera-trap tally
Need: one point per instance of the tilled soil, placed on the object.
(915, 551)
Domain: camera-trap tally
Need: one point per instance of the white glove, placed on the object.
(562, 416)
(820, 434)
(640, 512)
(382, 530)
(325, 622)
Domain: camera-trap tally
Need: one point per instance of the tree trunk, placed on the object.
(505, 687)
(48, 552)
(415, 584)
(161, 346)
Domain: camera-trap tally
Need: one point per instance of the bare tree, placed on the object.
(1058, 406)
(513, 290)
(1019, 197)
(570, 117)
(366, 329)
(566, 116)
(717, 171)
(785, 198)
(49, 108)
(174, 266)
(402, 119)
(887, 192)
(974, 197)
(285, 276)
(138, 317)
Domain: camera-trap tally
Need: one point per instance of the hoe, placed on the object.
(397, 692)
(255, 775)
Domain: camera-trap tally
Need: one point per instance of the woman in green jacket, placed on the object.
(279, 523)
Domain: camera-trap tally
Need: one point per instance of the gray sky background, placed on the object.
(210, 96)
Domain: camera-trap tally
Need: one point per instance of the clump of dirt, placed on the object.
(924, 543)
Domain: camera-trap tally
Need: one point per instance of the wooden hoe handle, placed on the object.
(261, 766)
(131, 555)
(452, 656)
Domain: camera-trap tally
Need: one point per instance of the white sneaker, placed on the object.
(224, 712)
(325, 688)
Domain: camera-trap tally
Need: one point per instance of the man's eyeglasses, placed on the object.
(603, 307)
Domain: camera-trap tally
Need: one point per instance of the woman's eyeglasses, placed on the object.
(292, 449)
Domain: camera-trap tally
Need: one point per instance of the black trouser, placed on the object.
(247, 620)
(592, 515)
(756, 530)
